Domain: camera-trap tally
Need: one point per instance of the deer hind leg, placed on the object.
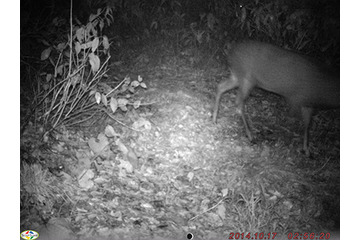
(243, 93)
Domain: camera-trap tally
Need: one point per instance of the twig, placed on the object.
(114, 118)
(142, 104)
(208, 210)
(116, 87)
(71, 37)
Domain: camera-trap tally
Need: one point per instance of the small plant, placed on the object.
(127, 88)
(76, 65)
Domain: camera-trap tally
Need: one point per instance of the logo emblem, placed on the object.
(29, 234)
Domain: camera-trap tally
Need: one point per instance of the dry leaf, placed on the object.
(126, 165)
(221, 211)
(98, 146)
(110, 132)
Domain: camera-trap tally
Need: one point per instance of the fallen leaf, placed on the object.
(190, 176)
(132, 158)
(126, 165)
(85, 180)
(110, 132)
(142, 122)
(98, 146)
(221, 211)
(121, 146)
(225, 192)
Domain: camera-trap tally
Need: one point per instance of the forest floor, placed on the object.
(166, 171)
